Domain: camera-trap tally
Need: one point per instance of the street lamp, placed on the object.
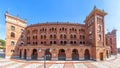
(45, 56)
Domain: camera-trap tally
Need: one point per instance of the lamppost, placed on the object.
(45, 56)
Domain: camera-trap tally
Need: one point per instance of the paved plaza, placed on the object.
(15, 63)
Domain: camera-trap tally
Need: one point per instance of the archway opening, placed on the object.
(75, 55)
(25, 54)
(107, 54)
(34, 54)
(101, 56)
(20, 55)
(48, 54)
(61, 55)
(87, 55)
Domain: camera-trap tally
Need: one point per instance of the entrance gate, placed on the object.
(75, 55)
(48, 54)
(61, 55)
(34, 54)
(87, 55)
(25, 54)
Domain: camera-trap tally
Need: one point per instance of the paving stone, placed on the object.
(32, 66)
(80, 65)
(99, 65)
(57, 66)
(16, 65)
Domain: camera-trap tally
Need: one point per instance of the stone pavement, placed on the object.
(15, 63)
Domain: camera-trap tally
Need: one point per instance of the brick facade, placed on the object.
(59, 40)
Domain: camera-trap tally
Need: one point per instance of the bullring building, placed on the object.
(60, 40)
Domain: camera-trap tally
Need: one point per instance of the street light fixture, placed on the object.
(45, 56)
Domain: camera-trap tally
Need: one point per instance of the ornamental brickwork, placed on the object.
(60, 40)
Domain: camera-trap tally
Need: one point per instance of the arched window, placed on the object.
(55, 29)
(44, 36)
(22, 30)
(74, 36)
(41, 42)
(64, 36)
(99, 38)
(54, 42)
(12, 34)
(71, 42)
(12, 28)
(65, 42)
(41, 37)
(50, 36)
(61, 36)
(50, 42)
(83, 37)
(71, 36)
(80, 42)
(12, 43)
(83, 42)
(36, 43)
(74, 42)
(62, 29)
(54, 36)
(61, 42)
(52, 29)
(22, 36)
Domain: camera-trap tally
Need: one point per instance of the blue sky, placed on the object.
(35, 11)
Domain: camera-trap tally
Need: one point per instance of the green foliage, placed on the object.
(2, 42)
(2, 47)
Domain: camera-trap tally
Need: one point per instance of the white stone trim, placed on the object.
(91, 58)
(22, 57)
(15, 56)
(68, 58)
(97, 59)
(7, 57)
(40, 58)
(81, 58)
(28, 58)
(54, 58)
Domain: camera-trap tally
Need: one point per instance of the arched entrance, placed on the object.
(87, 55)
(61, 55)
(25, 54)
(107, 54)
(48, 54)
(101, 56)
(75, 55)
(20, 55)
(34, 54)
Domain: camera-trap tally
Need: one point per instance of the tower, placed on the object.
(111, 41)
(95, 34)
(14, 29)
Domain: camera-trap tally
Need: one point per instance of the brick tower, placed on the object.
(14, 30)
(95, 34)
(111, 41)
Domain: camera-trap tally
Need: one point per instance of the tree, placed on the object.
(2, 42)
